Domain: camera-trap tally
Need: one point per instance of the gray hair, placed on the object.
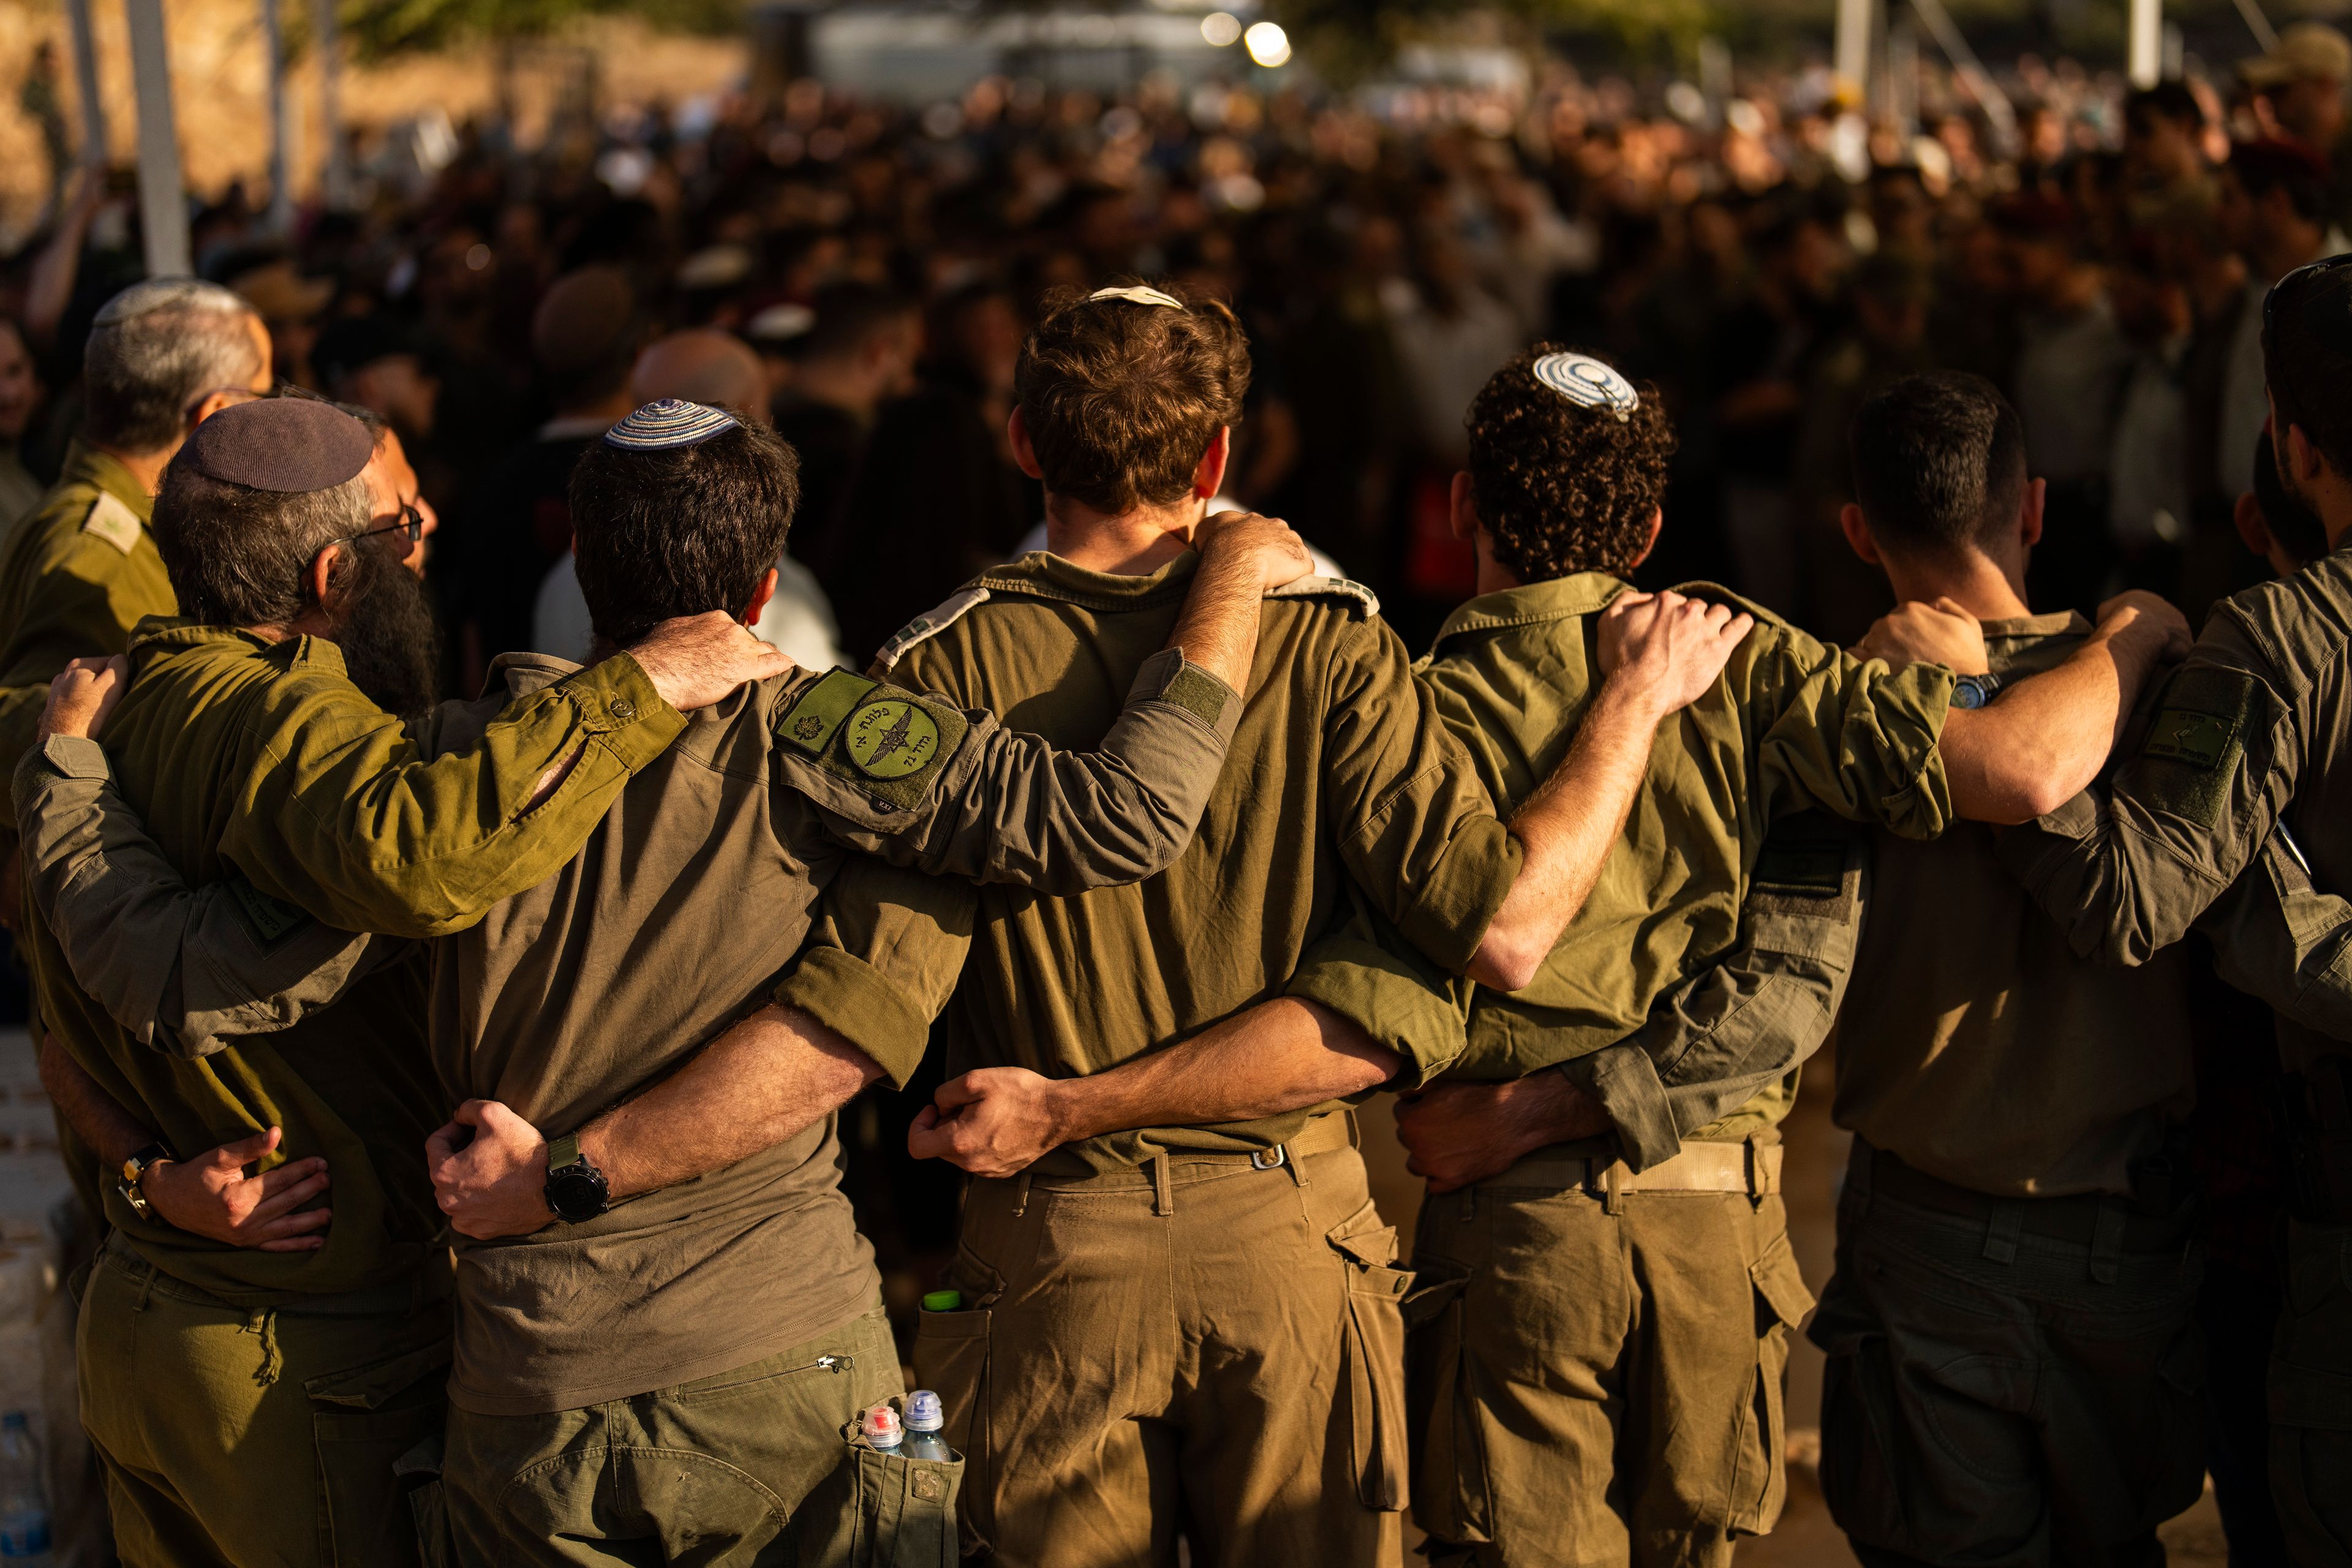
(157, 348)
(238, 557)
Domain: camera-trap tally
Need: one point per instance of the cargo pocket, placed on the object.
(952, 1360)
(419, 1471)
(1859, 1475)
(2311, 1396)
(1373, 1348)
(1449, 1493)
(1760, 1482)
(365, 1422)
(881, 1511)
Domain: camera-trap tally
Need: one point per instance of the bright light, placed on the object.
(1220, 28)
(1267, 43)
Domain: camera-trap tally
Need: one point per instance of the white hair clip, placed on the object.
(1137, 294)
(1586, 383)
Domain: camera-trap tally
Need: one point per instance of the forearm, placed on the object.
(1566, 830)
(2045, 740)
(1280, 1055)
(770, 1076)
(1217, 628)
(96, 1117)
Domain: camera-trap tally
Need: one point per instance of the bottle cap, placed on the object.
(881, 1426)
(924, 1412)
(943, 1301)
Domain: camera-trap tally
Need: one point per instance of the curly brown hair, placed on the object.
(1121, 399)
(1563, 488)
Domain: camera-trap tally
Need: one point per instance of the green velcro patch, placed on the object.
(2200, 740)
(268, 919)
(810, 724)
(2196, 743)
(1804, 869)
(1198, 693)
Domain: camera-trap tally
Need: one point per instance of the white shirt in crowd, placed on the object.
(798, 619)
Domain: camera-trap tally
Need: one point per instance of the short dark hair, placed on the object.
(1939, 463)
(680, 532)
(2169, 100)
(2262, 167)
(1121, 399)
(2292, 525)
(1563, 488)
(241, 557)
(2307, 356)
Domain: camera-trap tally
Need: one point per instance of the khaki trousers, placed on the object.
(711, 1472)
(1596, 1378)
(2311, 1397)
(255, 1439)
(2011, 1383)
(1195, 1344)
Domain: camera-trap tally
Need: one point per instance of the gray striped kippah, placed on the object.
(670, 421)
(1586, 383)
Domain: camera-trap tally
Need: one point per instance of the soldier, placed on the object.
(2253, 731)
(595, 985)
(2018, 1265)
(1605, 1286)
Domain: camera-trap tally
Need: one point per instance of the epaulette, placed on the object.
(1716, 593)
(929, 624)
(114, 522)
(1367, 603)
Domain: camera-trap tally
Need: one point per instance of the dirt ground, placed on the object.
(1816, 1159)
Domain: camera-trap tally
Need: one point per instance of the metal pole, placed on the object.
(1852, 62)
(2145, 57)
(2265, 35)
(162, 193)
(281, 123)
(93, 108)
(337, 174)
(1971, 72)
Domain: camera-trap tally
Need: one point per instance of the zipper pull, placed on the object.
(837, 1362)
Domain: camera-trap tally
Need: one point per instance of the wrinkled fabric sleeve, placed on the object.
(882, 958)
(1714, 1043)
(1415, 826)
(2128, 865)
(2281, 940)
(1849, 736)
(185, 970)
(1008, 807)
(341, 813)
(1364, 970)
(83, 611)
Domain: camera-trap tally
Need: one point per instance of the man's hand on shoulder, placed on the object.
(1666, 650)
(212, 1196)
(490, 1172)
(2144, 619)
(83, 694)
(1265, 543)
(1458, 1134)
(995, 1121)
(1917, 632)
(695, 660)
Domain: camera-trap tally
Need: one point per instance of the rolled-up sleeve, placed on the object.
(1852, 736)
(1365, 972)
(882, 960)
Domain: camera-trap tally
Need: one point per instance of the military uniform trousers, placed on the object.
(2311, 1397)
(1597, 1361)
(712, 1472)
(1209, 1343)
(258, 1437)
(2013, 1383)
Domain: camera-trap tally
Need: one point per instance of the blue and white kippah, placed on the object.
(670, 421)
(1586, 383)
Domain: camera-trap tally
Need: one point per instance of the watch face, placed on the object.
(576, 1194)
(1968, 692)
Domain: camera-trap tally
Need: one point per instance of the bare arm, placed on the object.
(1242, 556)
(2045, 740)
(1662, 653)
(112, 1131)
(770, 1076)
(1279, 1056)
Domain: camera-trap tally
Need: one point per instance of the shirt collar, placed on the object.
(86, 465)
(1533, 603)
(1046, 575)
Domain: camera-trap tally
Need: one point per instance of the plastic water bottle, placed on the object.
(23, 1503)
(883, 1432)
(925, 1416)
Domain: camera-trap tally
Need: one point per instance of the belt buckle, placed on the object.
(1271, 1159)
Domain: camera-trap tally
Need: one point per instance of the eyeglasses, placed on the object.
(410, 528)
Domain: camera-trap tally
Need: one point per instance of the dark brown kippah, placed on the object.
(284, 444)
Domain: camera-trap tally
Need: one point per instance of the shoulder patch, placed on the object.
(1366, 603)
(114, 522)
(808, 725)
(270, 920)
(2195, 742)
(891, 739)
(929, 624)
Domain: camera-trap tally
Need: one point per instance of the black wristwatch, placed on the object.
(576, 1189)
(1975, 690)
(133, 1170)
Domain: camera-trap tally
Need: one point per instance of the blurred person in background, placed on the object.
(2148, 506)
(291, 306)
(20, 400)
(2274, 214)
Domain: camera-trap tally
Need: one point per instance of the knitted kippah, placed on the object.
(670, 421)
(289, 445)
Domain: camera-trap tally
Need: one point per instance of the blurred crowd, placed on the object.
(866, 273)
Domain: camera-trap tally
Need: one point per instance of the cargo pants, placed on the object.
(2015, 1381)
(237, 1437)
(713, 1472)
(2311, 1397)
(1597, 1361)
(1204, 1342)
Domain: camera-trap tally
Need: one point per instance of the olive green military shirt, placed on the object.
(1974, 1043)
(74, 577)
(1340, 784)
(1790, 726)
(263, 759)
